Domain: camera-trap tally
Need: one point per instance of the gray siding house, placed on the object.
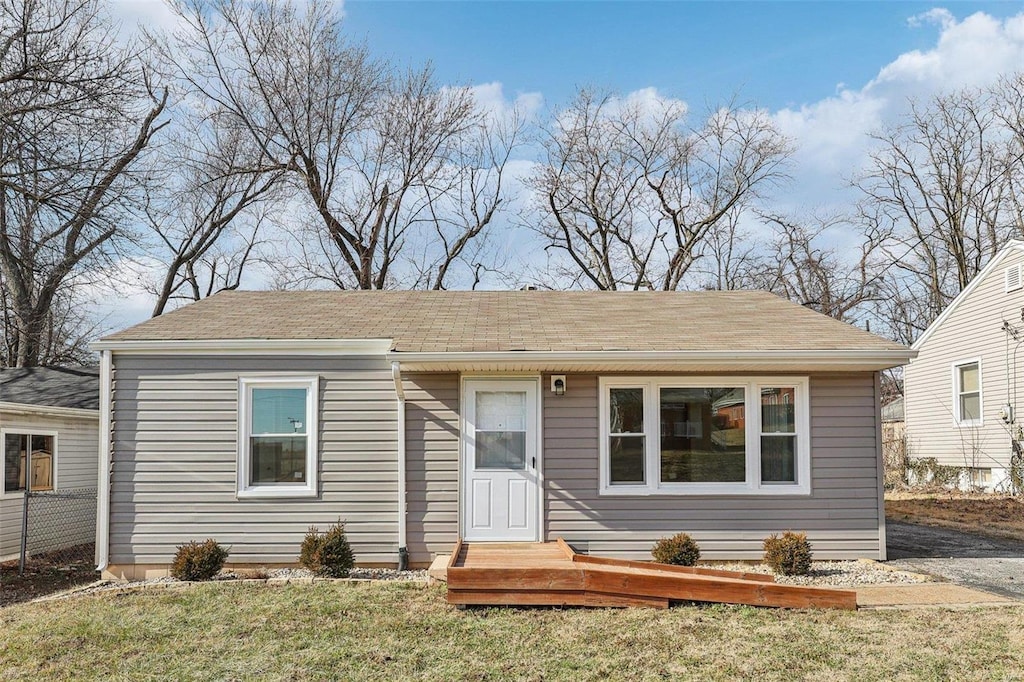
(49, 430)
(610, 419)
(962, 391)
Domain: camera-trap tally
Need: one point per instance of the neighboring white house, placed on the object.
(49, 431)
(965, 389)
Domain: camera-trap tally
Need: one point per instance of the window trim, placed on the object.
(245, 386)
(652, 386)
(958, 419)
(53, 465)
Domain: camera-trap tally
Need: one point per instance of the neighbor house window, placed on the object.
(277, 437)
(29, 461)
(677, 435)
(967, 389)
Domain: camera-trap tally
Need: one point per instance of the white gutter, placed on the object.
(248, 346)
(403, 548)
(103, 482)
(808, 358)
(49, 410)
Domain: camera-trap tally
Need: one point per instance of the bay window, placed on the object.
(682, 435)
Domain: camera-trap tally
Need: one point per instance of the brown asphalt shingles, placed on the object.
(468, 321)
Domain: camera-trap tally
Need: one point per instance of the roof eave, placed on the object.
(49, 410)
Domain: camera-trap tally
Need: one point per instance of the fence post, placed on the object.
(24, 533)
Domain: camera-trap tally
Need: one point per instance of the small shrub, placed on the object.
(327, 554)
(680, 550)
(199, 560)
(789, 554)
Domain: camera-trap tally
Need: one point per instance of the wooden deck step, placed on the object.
(552, 574)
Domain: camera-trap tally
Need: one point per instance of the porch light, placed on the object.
(558, 384)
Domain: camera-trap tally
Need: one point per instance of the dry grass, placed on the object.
(398, 632)
(998, 515)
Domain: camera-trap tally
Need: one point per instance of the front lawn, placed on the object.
(998, 515)
(395, 632)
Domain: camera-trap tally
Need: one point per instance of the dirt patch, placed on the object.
(995, 515)
(47, 574)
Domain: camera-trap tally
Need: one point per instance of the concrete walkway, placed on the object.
(966, 559)
(920, 595)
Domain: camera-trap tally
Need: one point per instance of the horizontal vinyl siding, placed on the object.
(77, 462)
(432, 464)
(973, 330)
(840, 516)
(174, 460)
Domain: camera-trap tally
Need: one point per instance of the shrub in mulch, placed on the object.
(327, 554)
(788, 554)
(679, 550)
(199, 560)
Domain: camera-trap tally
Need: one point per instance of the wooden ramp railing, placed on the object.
(552, 574)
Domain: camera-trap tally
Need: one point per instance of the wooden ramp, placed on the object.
(552, 574)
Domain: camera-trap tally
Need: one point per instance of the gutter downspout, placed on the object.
(103, 482)
(403, 550)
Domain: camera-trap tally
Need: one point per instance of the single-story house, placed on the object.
(49, 427)
(610, 419)
(963, 389)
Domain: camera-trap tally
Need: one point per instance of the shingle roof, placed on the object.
(473, 321)
(51, 386)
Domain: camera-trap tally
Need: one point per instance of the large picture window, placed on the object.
(30, 461)
(277, 437)
(676, 435)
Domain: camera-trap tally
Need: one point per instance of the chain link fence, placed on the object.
(58, 527)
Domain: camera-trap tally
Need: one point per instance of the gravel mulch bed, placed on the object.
(836, 574)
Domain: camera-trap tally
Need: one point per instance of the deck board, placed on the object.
(552, 574)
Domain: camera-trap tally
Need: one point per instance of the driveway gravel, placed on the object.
(991, 564)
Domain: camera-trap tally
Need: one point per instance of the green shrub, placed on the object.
(680, 550)
(327, 554)
(199, 560)
(789, 554)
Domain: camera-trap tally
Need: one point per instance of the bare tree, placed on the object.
(205, 214)
(375, 155)
(805, 265)
(629, 195)
(944, 184)
(76, 110)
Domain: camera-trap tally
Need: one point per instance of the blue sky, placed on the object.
(829, 74)
(775, 54)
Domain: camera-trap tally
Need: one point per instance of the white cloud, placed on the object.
(833, 134)
(490, 98)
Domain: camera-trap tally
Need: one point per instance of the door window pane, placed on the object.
(501, 410)
(500, 430)
(500, 449)
(778, 459)
(703, 435)
(626, 455)
(278, 410)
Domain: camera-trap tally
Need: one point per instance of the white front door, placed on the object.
(500, 498)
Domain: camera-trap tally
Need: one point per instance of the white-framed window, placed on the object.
(705, 436)
(277, 436)
(30, 460)
(1012, 278)
(967, 398)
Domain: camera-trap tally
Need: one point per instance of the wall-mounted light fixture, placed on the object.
(558, 384)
